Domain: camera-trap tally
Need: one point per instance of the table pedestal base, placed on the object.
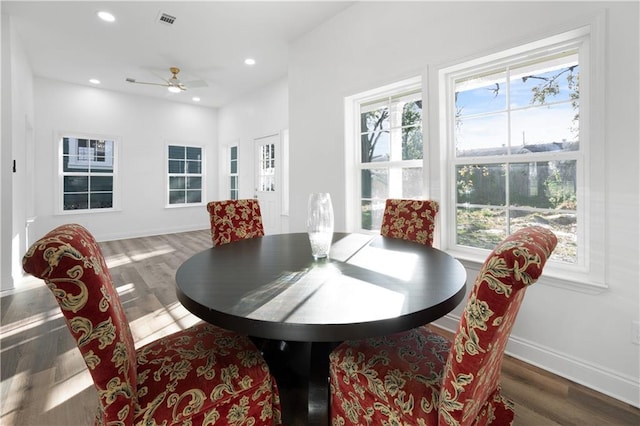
(301, 370)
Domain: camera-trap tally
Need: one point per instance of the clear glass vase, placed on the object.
(320, 224)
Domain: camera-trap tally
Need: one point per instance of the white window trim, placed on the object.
(589, 277)
(59, 203)
(202, 174)
(352, 147)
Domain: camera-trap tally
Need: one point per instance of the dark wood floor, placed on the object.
(45, 382)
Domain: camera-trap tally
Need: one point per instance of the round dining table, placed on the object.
(271, 287)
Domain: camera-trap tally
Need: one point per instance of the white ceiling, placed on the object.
(209, 41)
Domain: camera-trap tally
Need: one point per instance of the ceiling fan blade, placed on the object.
(133, 80)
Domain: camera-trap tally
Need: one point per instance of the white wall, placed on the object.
(258, 114)
(584, 337)
(17, 137)
(144, 126)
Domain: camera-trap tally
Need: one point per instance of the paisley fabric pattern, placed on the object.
(203, 375)
(420, 378)
(233, 220)
(412, 220)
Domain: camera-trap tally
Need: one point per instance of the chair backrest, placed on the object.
(412, 220)
(233, 220)
(71, 263)
(472, 371)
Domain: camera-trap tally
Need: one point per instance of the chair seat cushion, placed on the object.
(396, 380)
(207, 370)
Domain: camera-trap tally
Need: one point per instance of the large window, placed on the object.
(389, 158)
(516, 142)
(87, 173)
(184, 175)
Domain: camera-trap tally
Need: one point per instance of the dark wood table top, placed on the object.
(271, 287)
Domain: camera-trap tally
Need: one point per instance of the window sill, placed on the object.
(87, 211)
(177, 206)
(554, 277)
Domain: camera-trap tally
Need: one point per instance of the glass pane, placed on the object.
(101, 183)
(545, 184)
(76, 184)
(412, 113)
(481, 94)
(194, 153)
(376, 120)
(483, 184)
(480, 227)
(176, 197)
(371, 214)
(375, 146)
(176, 166)
(375, 183)
(551, 125)
(98, 155)
(234, 167)
(101, 201)
(194, 167)
(234, 152)
(481, 136)
(233, 183)
(412, 143)
(194, 196)
(234, 194)
(412, 182)
(177, 182)
(177, 152)
(194, 183)
(539, 84)
(76, 201)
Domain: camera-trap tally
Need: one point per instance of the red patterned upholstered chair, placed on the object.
(412, 220)
(200, 375)
(420, 378)
(233, 220)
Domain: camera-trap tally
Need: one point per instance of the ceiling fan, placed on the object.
(173, 84)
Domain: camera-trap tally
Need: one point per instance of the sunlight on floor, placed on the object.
(17, 327)
(122, 259)
(68, 388)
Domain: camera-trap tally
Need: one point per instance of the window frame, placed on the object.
(353, 149)
(115, 204)
(168, 175)
(589, 274)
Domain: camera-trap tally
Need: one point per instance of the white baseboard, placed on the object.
(621, 387)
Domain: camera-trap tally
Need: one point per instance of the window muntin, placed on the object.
(185, 178)
(391, 151)
(87, 173)
(517, 156)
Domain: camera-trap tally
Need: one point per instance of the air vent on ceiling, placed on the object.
(165, 18)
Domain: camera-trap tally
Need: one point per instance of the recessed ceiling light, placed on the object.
(106, 16)
(250, 61)
(195, 99)
(94, 81)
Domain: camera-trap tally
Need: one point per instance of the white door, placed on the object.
(268, 181)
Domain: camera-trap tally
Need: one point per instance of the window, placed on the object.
(185, 175)
(233, 172)
(267, 168)
(516, 142)
(87, 175)
(389, 153)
